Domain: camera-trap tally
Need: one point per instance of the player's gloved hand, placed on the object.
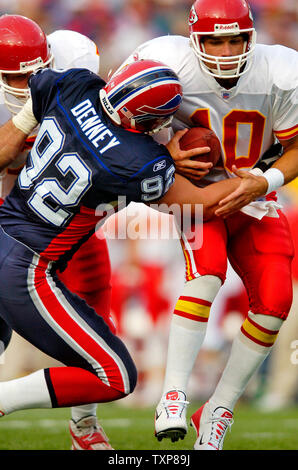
(252, 186)
(185, 166)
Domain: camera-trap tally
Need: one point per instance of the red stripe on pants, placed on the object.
(68, 325)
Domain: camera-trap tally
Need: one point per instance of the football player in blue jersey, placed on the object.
(92, 150)
(25, 48)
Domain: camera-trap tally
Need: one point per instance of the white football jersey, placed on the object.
(248, 117)
(70, 50)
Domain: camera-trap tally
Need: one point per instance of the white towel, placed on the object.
(261, 207)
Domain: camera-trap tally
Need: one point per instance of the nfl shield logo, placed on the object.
(225, 95)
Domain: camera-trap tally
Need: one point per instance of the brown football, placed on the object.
(202, 137)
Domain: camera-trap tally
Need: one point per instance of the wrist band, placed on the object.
(256, 171)
(25, 119)
(275, 179)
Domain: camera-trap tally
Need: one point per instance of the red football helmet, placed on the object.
(23, 48)
(143, 95)
(222, 18)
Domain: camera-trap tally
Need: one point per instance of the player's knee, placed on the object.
(203, 287)
(275, 292)
(124, 381)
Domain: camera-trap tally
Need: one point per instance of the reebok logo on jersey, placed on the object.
(159, 165)
(93, 127)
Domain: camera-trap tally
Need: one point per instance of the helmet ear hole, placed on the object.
(142, 95)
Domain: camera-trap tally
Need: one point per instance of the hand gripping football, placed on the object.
(202, 137)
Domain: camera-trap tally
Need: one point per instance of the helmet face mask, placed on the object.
(23, 49)
(222, 18)
(143, 96)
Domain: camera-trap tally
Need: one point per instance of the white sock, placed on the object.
(245, 358)
(80, 412)
(186, 336)
(25, 393)
(184, 345)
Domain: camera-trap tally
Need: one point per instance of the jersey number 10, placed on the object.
(230, 132)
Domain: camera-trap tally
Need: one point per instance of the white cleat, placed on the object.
(170, 416)
(211, 426)
(88, 434)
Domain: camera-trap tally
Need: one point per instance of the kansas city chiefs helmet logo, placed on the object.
(193, 17)
(148, 112)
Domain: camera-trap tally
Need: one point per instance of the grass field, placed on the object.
(132, 429)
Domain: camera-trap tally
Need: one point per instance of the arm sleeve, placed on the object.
(285, 94)
(286, 114)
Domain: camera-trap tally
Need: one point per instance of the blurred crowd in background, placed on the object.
(148, 275)
(117, 26)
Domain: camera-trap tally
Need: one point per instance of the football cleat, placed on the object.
(88, 434)
(211, 426)
(170, 416)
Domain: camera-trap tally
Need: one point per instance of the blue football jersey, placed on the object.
(80, 167)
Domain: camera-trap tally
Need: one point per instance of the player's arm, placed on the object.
(13, 134)
(284, 170)
(11, 142)
(183, 192)
(288, 162)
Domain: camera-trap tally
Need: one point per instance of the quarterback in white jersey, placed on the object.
(247, 117)
(247, 94)
(25, 48)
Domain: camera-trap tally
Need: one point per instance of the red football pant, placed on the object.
(71, 386)
(260, 251)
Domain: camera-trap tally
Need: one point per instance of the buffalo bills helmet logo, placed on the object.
(167, 109)
(144, 95)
